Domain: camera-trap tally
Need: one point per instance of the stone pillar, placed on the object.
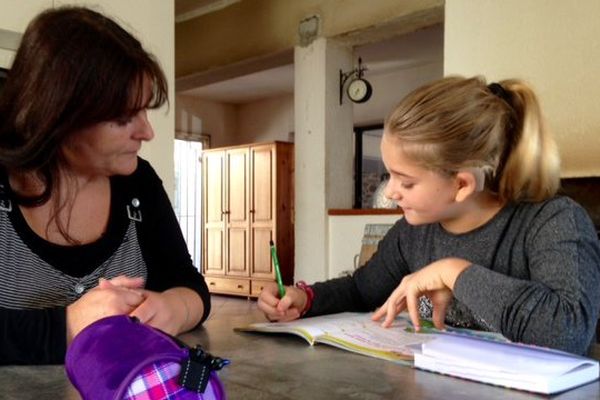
(323, 151)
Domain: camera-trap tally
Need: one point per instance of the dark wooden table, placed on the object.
(279, 367)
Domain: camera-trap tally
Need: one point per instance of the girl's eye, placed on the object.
(407, 185)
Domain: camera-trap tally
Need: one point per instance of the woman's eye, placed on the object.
(123, 121)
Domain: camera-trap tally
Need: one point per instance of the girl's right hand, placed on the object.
(288, 308)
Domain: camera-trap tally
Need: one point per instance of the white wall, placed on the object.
(7, 48)
(266, 120)
(555, 45)
(345, 239)
(14, 18)
(389, 88)
(16, 14)
(151, 21)
(194, 115)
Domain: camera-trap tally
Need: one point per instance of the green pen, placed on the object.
(426, 327)
(277, 271)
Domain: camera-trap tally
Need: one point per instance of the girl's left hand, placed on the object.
(436, 281)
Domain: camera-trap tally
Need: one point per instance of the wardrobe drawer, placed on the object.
(256, 287)
(228, 285)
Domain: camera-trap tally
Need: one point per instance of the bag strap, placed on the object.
(196, 369)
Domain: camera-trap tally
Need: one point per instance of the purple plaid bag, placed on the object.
(119, 358)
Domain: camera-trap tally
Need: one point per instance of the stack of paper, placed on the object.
(530, 368)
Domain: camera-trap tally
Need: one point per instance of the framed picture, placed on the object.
(369, 170)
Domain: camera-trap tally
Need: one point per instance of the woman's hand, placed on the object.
(121, 281)
(173, 311)
(103, 301)
(288, 308)
(435, 281)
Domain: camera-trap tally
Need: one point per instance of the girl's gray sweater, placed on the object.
(535, 274)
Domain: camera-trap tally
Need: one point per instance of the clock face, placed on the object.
(359, 90)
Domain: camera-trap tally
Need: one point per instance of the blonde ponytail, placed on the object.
(532, 167)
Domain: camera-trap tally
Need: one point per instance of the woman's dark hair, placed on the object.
(74, 68)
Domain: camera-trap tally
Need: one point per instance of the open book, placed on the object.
(355, 332)
(479, 356)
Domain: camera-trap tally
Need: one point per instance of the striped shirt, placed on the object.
(38, 279)
(30, 282)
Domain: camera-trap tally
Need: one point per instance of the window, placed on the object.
(188, 195)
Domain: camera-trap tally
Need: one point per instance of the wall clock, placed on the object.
(359, 90)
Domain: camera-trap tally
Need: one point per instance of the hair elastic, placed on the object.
(310, 296)
(499, 91)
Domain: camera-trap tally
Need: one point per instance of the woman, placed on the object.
(86, 228)
(484, 242)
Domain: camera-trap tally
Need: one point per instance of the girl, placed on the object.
(484, 242)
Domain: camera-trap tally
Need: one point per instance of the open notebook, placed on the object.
(353, 332)
(479, 356)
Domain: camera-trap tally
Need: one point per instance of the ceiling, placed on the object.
(392, 55)
(187, 9)
(248, 88)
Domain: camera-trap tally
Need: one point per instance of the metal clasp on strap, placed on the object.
(5, 203)
(133, 211)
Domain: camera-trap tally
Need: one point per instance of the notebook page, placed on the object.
(358, 331)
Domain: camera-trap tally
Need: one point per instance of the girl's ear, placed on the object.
(468, 181)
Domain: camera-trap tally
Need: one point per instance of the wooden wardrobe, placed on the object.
(248, 200)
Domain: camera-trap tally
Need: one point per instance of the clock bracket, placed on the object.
(356, 72)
